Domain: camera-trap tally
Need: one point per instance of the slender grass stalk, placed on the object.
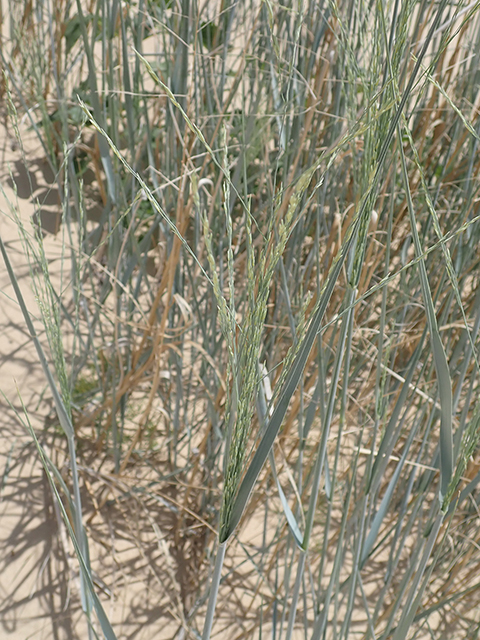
(214, 585)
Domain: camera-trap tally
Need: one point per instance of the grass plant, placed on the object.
(266, 331)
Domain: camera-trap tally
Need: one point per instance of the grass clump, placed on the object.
(268, 316)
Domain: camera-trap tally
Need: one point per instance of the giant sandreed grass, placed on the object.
(286, 197)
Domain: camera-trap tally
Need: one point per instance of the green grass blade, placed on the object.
(440, 359)
(83, 562)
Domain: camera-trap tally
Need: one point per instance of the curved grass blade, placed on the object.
(264, 395)
(439, 357)
(291, 520)
(83, 562)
